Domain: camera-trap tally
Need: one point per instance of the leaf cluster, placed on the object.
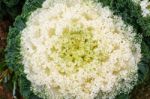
(13, 56)
(10, 8)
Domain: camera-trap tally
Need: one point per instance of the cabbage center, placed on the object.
(77, 49)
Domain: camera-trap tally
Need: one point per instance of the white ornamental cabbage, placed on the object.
(145, 7)
(77, 49)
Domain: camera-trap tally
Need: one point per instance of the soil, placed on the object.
(5, 94)
(141, 92)
(4, 25)
(3, 33)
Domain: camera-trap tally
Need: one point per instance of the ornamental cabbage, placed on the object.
(74, 49)
(77, 49)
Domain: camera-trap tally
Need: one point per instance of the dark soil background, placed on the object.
(4, 93)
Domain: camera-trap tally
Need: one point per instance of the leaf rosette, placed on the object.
(74, 49)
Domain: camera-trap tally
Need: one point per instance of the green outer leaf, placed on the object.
(2, 61)
(13, 56)
(130, 13)
(2, 11)
(10, 3)
(25, 88)
(9, 9)
(145, 24)
(30, 6)
(122, 96)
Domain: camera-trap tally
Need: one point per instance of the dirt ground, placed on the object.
(142, 92)
(3, 33)
(5, 94)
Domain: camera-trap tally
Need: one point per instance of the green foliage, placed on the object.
(143, 71)
(10, 8)
(10, 3)
(145, 25)
(2, 62)
(31, 5)
(24, 86)
(122, 96)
